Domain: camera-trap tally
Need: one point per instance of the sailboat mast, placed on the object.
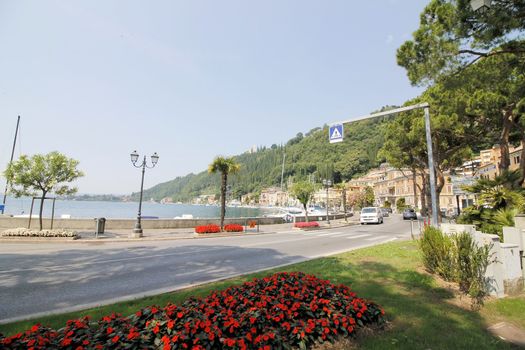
(10, 161)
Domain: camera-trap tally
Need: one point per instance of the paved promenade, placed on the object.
(189, 233)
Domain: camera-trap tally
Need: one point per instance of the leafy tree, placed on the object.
(303, 191)
(451, 36)
(225, 166)
(361, 199)
(46, 174)
(368, 198)
(387, 204)
(451, 138)
(401, 204)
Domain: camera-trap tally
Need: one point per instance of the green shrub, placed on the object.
(457, 258)
(471, 263)
(401, 204)
(437, 250)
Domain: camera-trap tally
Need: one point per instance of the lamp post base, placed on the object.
(136, 234)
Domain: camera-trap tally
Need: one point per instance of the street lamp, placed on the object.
(480, 5)
(327, 184)
(137, 231)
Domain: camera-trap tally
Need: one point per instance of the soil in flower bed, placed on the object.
(282, 311)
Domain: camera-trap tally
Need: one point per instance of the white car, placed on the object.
(371, 215)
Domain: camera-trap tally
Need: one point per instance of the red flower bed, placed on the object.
(306, 224)
(207, 229)
(285, 310)
(233, 228)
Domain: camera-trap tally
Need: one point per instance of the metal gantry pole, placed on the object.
(431, 168)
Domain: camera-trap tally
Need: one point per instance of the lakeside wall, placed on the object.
(7, 222)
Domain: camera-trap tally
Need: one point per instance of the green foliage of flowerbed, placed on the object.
(282, 311)
(25, 232)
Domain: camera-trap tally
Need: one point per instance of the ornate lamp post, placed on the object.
(327, 184)
(137, 231)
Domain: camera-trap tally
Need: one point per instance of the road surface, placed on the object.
(42, 278)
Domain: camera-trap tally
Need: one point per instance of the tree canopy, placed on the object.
(452, 36)
(49, 173)
(303, 191)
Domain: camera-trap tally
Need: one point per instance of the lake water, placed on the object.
(92, 209)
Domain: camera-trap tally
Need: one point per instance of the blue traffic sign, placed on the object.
(335, 133)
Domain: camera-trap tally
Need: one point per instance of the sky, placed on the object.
(190, 80)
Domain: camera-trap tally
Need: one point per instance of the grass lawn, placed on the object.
(422, 314)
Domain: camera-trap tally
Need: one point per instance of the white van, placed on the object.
(371, 215)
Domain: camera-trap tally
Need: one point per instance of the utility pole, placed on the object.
(282, 170)
(10, 161)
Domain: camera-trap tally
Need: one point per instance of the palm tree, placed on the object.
(225, 166)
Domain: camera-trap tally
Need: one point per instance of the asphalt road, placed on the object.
(42, 278)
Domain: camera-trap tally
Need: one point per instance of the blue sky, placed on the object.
(190, 79)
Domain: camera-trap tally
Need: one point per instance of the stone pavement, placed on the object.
(509, 333)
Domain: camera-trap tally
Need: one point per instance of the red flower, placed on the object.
(230, 342)
(115, 339)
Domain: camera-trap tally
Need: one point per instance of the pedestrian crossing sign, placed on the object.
(335, 133)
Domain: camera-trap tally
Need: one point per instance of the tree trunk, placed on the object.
(305, 211)
(519, 182)
(414, 187)
(440, 177)
(424, 209)
(41, 209)
(223, 198)
(504, 144)
(344, 203)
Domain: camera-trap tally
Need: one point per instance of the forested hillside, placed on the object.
(306, 155)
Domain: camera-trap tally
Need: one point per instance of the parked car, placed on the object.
(385, 212)
(371, 215)
(409, 214)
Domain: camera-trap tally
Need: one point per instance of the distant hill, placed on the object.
(306, 155)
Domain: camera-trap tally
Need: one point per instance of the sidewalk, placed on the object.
(189, 233)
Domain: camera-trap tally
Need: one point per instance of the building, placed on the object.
(491, 158)
(208, 199)
(274, 197)
(391, 184)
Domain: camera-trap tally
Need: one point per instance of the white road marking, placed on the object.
(331, 234)
(376, 238)
(359, 236)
